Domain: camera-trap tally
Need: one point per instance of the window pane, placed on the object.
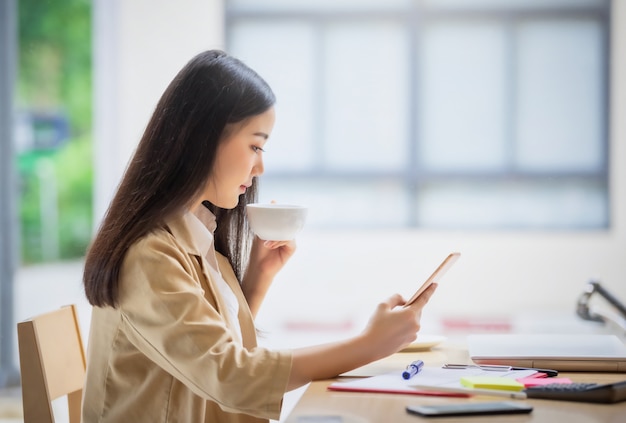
(366, 96)
(567, 204)
(282, 53)
(462, 113)
(560, 96)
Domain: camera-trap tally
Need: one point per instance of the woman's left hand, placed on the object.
(268, 257)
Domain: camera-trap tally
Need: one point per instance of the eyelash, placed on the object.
(256, 149)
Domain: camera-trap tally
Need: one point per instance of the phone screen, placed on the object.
(437, 274)
(472, 408)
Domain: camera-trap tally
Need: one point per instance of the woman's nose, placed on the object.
(258, 168)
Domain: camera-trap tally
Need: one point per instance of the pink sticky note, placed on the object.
(535, 381)
(536, 375)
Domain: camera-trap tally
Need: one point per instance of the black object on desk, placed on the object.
(469, 409)
(582, 392)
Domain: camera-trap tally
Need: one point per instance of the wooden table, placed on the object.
(355, 407)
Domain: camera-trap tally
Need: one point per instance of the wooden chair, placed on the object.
(52, 364)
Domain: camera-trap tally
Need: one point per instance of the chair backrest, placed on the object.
(52, 364)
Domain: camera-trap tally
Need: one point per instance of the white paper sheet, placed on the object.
(429, 376)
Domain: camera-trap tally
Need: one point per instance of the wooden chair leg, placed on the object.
(74, 405)
(34, 399)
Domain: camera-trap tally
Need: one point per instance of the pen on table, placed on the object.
(548, 372)
(472, 391)
(500, 368)
(412, 369)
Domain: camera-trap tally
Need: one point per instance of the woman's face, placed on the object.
(239, 159)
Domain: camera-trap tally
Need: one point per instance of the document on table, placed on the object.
(431, 377)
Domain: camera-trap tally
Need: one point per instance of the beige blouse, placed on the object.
(168, 353)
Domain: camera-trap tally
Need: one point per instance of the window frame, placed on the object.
(413, 20)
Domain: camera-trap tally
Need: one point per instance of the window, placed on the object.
(450, 114)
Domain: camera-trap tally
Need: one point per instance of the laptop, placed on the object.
(589, 353)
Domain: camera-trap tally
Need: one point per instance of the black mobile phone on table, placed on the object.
(469, 409)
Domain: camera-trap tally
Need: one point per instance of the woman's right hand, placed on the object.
(392, 326)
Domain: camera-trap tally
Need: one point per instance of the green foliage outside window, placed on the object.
(54, 79)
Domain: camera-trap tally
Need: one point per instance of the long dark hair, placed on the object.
(172, 163)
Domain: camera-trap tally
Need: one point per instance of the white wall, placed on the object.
(140, 44)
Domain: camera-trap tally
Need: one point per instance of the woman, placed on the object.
(176, 279)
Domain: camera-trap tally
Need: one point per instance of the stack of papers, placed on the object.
(426, 381)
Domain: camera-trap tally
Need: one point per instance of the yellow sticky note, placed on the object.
(491, 382)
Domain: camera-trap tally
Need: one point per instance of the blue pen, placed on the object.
(412, 369)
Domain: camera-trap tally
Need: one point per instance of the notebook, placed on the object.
(593, 353)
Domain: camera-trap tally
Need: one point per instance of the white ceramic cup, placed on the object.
(276, 222)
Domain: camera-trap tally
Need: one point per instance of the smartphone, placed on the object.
(437, 274)
(469, 409)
